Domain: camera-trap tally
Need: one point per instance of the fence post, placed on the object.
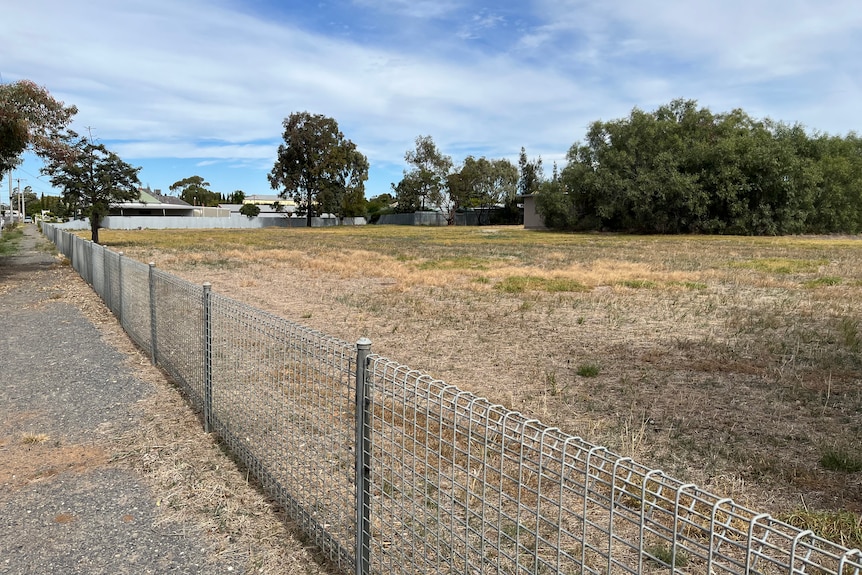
(363, 459)
(208, 357)
(90, 255)
(107, 292)
(154, 351)
(120, 288)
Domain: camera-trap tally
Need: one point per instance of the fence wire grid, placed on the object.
(389, 470)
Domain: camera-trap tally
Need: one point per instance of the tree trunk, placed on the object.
(95, 223)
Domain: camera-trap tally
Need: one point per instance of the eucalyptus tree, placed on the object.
(317, 166)
(195, 190)
(482, 184)
(425, 184)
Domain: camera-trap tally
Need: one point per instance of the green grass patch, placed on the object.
(639, 284)
(588, 370)
(842, 527)
(848, 332)
(841, 459)
(825, 281)
(689, 285)
(9, 241)
(456, 263)
(521, 284)
(664, 555)
(781, 265)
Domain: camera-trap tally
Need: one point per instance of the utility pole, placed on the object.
(20, 200)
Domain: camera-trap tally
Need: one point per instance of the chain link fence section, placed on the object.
(466, 486)
(442, 480)
(283, 401)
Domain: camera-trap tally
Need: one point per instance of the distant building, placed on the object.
(151, 203)
(532, 219)
(270, 206)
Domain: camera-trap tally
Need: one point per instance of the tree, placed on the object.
(379, 205)
(530, 174)
(92, 178)
(483, 184)
(249, 210)
(236, 197)
(317, 166)
(195, 190)
(30, 117)
(432, 168)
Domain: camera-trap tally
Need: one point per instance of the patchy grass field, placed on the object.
(734, 363)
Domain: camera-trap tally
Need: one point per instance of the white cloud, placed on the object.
(200, 80)
(419, 9)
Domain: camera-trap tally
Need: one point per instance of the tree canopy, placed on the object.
(195, 190)
(683, 169)
(426, 185)
(320, 169)
(92, 178)
(482, 184)
(250, 210)
(30, 117)
(434, 182)
(530, 174)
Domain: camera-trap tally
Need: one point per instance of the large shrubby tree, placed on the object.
(683, 169)
(320, 169)
(30, 117)
(92, 178)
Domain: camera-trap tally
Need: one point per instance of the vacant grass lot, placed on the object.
(734, 363)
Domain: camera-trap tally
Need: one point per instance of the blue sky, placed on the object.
(197, 87)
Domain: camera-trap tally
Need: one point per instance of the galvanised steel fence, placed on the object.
(392, 471)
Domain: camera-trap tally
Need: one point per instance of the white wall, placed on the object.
(235, 221)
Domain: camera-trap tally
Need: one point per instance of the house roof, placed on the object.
(150, 200)
(158, 199)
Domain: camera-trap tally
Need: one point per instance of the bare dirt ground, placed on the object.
(734, 363)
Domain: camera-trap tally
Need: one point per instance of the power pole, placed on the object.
(20, 200)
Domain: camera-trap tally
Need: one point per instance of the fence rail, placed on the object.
(389, 470)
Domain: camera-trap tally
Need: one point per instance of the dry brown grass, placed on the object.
(730, 362)
(197, 483)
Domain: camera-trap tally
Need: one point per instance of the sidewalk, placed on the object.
(100, 461)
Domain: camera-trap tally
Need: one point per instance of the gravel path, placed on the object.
(68, 504)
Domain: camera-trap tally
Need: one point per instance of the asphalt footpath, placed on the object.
(65, 505)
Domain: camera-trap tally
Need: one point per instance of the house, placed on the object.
(283, 207)
(151, 203)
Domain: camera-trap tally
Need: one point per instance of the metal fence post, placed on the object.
(120, 288)
(208, 357)
(90, 256)
(154, 351)
(363, 459)
(107, 292)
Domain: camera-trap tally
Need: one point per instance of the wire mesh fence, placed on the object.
(389, 470)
